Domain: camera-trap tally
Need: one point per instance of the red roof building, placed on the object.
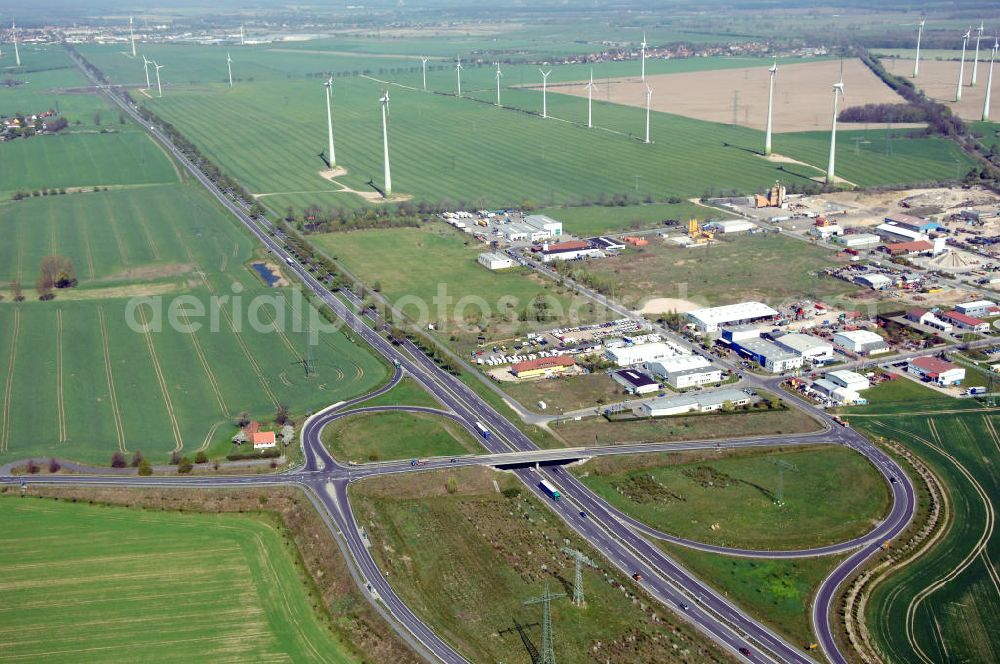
(543, 365)
(936, 370)
(252, 427)
(967, 322)
(263, 440)
(907, 248)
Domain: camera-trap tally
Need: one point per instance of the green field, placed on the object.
(831, 494)
(599, 431)
(735, 269)
(778, 592)
(567, 393)
(82, 384)
(461, 151)
(45, 78)
(466, 559)
(432, 275)
(89, 583)
(406, 393)
(386, 436)
(959, 609)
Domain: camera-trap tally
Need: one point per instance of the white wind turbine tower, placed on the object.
(770, 105)
(975, 60)
(989, 81)
(649, 97)
(458, 72)
(643, 45)
(838, 91)
(331, 154)
(916, 61)
(590, 100)
(499, 74)
(384, 100)
(243, 36)
(961, 69)
(545, 98)
(131, 35)
(423, 67)
(145, 68)
(159, 87)
(229, 66)
(13, 33)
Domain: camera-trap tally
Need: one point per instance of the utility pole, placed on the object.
(548, 654)
(779, 494)
(580, 559)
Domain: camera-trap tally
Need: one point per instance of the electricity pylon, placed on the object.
(580, 559)
(779, 494)
(548, 654)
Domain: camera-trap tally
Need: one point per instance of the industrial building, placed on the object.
(928, 318)
(860, 342)
(969, 323)
(711, 319)
(859, 241)
(635, 382)
(849, 379)
(912, 223)
(874, 280)
(837, 392)
(685, 371)
(977, 309)
(738, 333)
(731, 226)
(565, 251)
(543, 367)
(544, 224)
(908, 248)
(936, 370)
(811, 348)
(897, 233)
(606, 243)
(769, 355)
(695, 403)
(495, 261)
(626, 356)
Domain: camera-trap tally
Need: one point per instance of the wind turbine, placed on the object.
(243, 36)
(499, 74)
(838, 91)
(916, 61)
(458, 72)
(131, 35)
(989, 81)
(328, 84)
(423, 67)
(649, 97)
(770, 104)
(590, 100)
(975, 61)
(145, 68)
(384, 100)
(13, 33)
(229, 66)
(545, 97)
(643, 45)
(961, 69)
(159, 87)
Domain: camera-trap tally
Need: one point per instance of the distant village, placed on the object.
(23, 126)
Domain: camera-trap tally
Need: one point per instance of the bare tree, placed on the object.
(17, 291)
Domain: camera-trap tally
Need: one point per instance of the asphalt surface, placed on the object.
(616, 538)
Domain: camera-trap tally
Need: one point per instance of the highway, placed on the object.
(617, 540)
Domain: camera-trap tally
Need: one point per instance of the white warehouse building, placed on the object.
(811, 348)
(848, 379)
(711, 319)
(543, 224)
(731, 226)
(697, 403)
(495, 261)
(860, 341)
(685, 371)
(625, 356)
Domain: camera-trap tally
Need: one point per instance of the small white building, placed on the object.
(769, 355)
(693, 377)
(862, 342)
(696, 403)
(514, 232)
(826, 232)
(859, 240)
(635, 382)
(811, 348)
(542, 224)
(848, 379)
(873, 280)
(670, 365)
(626, 356)
(893, 233)
(976, 309)
(495, 261)
(731, 226)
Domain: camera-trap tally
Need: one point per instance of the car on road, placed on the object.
(684, 607)
(583, 514)
(745, 652)
(893, 480)
(637, 576)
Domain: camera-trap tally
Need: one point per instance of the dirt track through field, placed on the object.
(91, 273)
(164, 389)
(206, 366)
(112, 393)
(803, 96)
(60, 402)
(9, 387)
